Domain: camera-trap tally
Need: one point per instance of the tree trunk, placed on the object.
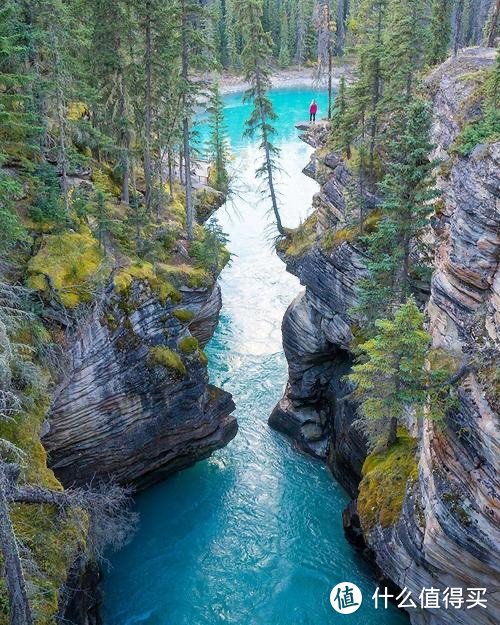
(170, 173)
(190, 216)
(148, 109)
(124, 142)
(457, 34)
(61, 120)
(19, 609)
(492, 34)
(330, 61)
(267, 151)
(392, 435)
(272, 192)
(190, 211)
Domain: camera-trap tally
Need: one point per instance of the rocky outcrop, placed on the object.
(447, 532)
(121, 412)
(315, 410)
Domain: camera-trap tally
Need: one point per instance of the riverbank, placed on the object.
(293, 77)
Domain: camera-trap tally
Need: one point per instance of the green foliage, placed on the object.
(439, 31)
(52, 539)
(67, 265)
(300, 240)
(407, 190)
(47, 204)
(10, 225)
(393, 372)
(183, 315)
(188, 345)
(386, 475)
(255, 55)
(165, 357)
(485, 128)
(218, 149)
(210, 252)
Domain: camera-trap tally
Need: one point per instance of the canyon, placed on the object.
(446, 534)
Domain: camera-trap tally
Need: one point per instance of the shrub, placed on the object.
(483, 130)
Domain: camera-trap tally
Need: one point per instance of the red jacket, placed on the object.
(313, 109)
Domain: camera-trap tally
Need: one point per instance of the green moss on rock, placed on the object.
(188, 345)
(184, 275)
(300, 240)
(203, 357)
(53, 539)
(183, 315)
(385, 478)
(165, 357)
(144, 271)
(67, 263)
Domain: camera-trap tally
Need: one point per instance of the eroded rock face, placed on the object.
(315, 410)
(118, 411)
(453, 511)
(447, 534)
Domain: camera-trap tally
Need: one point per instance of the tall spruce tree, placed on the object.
(112, 75)
(393, 373)
(16, 119)
(396, 249)
(439, 31)
(256, 53)
(217, 145)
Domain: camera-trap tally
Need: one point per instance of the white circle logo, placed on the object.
(346, 598)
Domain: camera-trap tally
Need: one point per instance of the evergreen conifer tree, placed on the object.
(393, 373)
(439, 31)
(255, 56)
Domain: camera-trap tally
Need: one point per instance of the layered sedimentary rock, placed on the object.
(447, 532)
(317, 335)
(120, 410)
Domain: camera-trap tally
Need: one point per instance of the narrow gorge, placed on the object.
(445, 532)
(249, 312)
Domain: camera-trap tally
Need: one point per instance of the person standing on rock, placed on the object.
(313, 109)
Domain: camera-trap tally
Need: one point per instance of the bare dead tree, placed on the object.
(101, 511)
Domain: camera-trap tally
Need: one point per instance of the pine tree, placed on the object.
(284, 53)
(404, 53)
(439, 31)
(392, 373)
(301, 32)
(16, 120)
(491, 26)
(218, 149)
(233, 35)
(363, 115)
(325, 27)
(458, 16)
(256, 55)
(341, 26)
(112, 74)
(408, 191)
(53, 26)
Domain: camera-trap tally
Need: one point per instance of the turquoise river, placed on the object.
(252, 536)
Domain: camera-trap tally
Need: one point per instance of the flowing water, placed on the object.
(252, 536)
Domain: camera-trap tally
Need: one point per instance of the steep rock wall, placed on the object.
(447, 533)
(119, 412)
